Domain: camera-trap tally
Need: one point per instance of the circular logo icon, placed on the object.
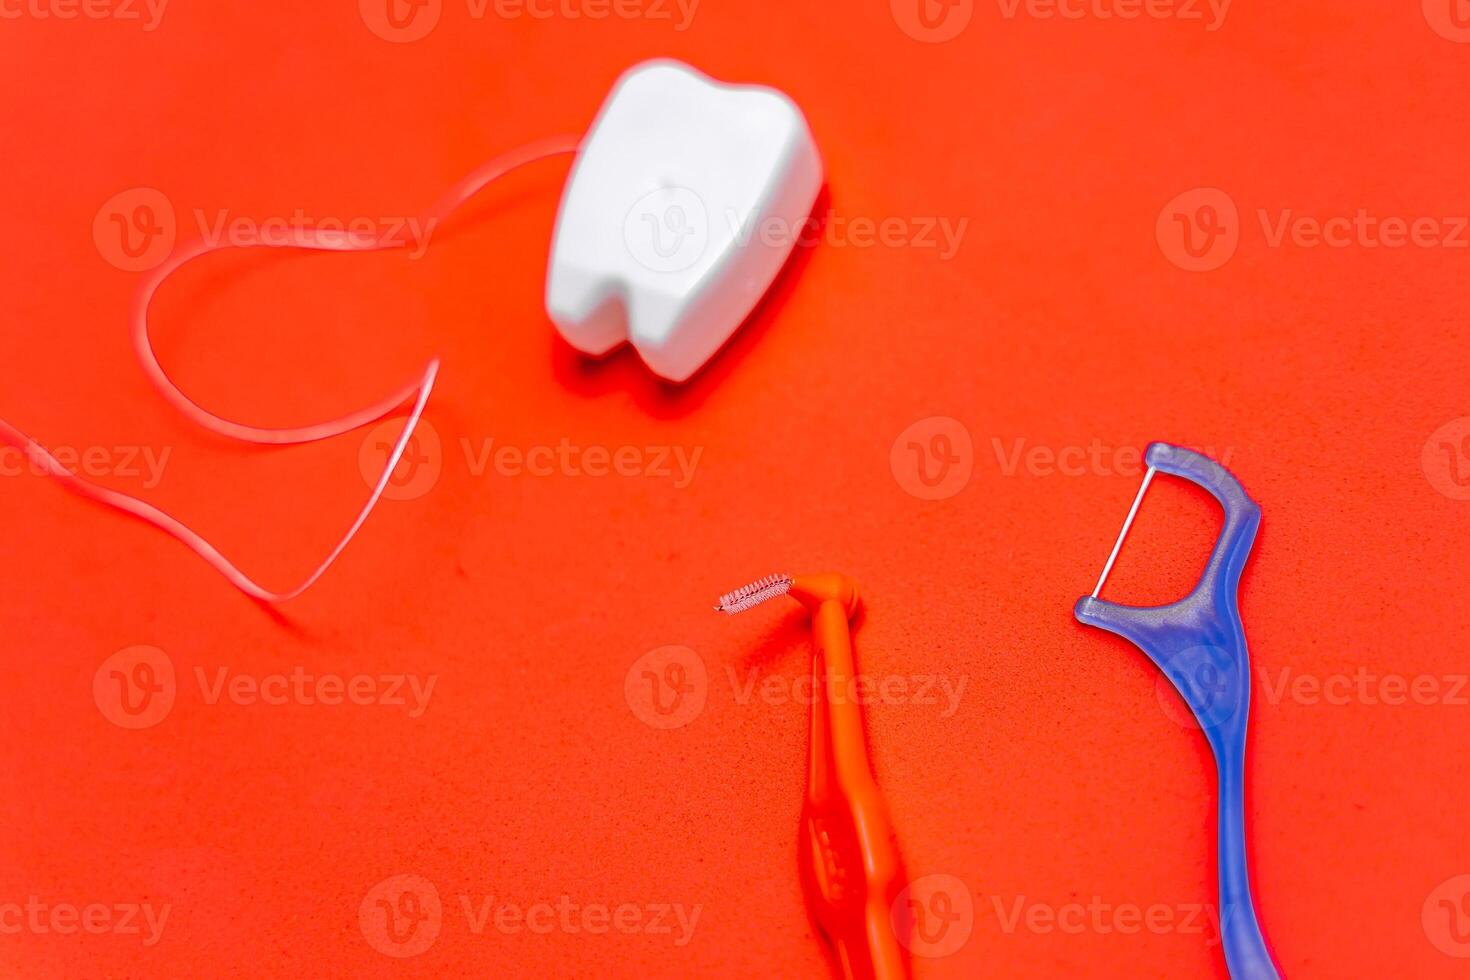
(135, 688)
(932, 21)
(401, 916)
(1446, 459)
(1446, 917)
(934, 915)
(933, 458)
(1450, 19)
(667, 688)
(1199, 230)
(135, 229)
(667, 230)
(400, 21)
(1206, 681)
(418, 468)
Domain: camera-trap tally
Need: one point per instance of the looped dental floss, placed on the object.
(417, 391)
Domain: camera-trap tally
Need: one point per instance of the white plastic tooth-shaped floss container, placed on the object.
(685, 200)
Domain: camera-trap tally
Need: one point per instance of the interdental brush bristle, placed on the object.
(754, 594)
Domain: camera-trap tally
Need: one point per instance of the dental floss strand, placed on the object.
(418, 391)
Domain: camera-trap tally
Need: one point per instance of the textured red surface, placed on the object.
(1062, 776)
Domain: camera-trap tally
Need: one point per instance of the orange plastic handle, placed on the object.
(850, 865)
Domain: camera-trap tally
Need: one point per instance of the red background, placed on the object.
(1063, 777)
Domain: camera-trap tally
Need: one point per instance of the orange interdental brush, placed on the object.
(849, 864)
